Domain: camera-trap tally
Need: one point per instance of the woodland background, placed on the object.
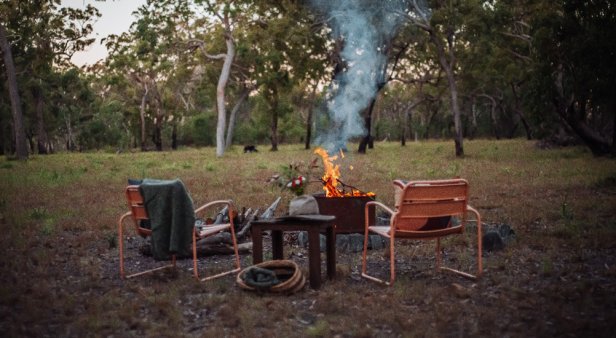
(204, 73)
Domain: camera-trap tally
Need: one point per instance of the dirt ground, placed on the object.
(522, 293)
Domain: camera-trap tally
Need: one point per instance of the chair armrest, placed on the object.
(379, 204)
(400, 183)
(228, 203)
(474, 211)
(126, 214)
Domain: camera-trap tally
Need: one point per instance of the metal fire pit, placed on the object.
(349, 211)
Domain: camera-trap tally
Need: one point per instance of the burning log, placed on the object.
(331, 177)
(331, 191)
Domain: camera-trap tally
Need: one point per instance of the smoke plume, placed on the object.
(365, 28)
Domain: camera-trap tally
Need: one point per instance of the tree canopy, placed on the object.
(206, 73)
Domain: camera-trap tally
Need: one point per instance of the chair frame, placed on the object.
(138, 213)
(445, 202)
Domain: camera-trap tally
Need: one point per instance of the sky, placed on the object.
(116, 17)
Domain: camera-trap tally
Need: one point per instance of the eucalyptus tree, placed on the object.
(416, 79)
(62, 31)
(496, 65)
(229, 15)
(43, 37)
(290, 50)
(21, 151)
(229, 24)
(442, 21)
(74, 104)
(574, 44)
(144, 58)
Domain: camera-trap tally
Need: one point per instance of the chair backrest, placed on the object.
(137, 208)
(420, 200)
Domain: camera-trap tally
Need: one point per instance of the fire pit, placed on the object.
(345, 202)
(349, 211)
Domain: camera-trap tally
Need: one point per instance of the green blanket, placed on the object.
(172, 214)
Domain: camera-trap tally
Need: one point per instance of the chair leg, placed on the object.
(479, 244)
(392, 261)
(238, 265)
(364, 263)
(479, 252)
(194, 249)
(236, 258)
(121, 249)
(121, 244)
(438, 253)
(364, 253)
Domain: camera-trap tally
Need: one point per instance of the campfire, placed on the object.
(331, 178)
(345, 202)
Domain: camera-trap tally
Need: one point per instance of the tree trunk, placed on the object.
(597, 144)
(174, 136)
(21, 150)
(233, 116)
(274, 127)
(575, 119)
(70, 144)
(457, 120)
(614, 137)
(495, 127)
(518, 111)
(142, 116)
(30, 141)
(447, 65)
(368, 124)
(220, 91)
(405, 126)
(5, 140)
(308, 129)
(157, 137)
(42, 141)
(309, 118)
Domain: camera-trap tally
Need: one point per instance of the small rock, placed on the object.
(460, 291)
(492, 241)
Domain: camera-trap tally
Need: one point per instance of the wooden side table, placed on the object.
(313, 225)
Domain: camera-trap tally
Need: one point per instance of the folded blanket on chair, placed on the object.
(172, 214)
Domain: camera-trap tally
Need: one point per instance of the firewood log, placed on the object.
(204, 249)
(221, 244)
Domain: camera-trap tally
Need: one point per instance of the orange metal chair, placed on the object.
(416, 202)
(138, 213)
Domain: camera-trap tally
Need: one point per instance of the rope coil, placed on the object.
(277, 276)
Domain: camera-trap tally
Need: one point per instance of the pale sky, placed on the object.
(116, 17)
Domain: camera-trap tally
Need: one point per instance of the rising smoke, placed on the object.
(365, 28)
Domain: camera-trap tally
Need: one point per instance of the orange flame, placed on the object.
(331, 177)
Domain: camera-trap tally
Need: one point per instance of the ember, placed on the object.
(331, 178)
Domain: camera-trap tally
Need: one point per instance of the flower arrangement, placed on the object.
(297, 184)
(294, 177)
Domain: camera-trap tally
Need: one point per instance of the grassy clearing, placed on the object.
(59, 272)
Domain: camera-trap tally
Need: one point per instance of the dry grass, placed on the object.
(59, 268)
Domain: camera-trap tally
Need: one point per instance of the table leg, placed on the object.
(314, 257)
(277, 249)
(257, 244)
(331, 252)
